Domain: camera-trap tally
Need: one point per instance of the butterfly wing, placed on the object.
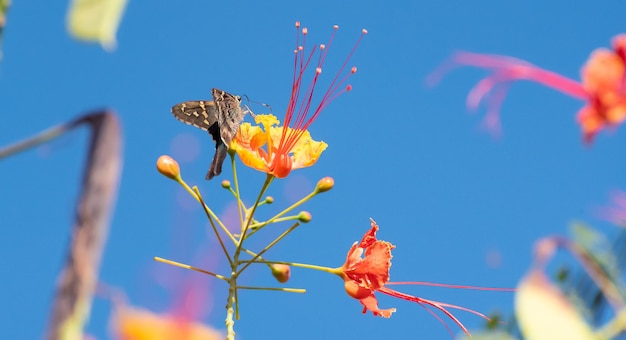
(229, 114)
(220, 117)
(203, 115)
(199, 113)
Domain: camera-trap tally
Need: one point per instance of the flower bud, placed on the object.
(305, 217)
(168, 167)
(325, 184)
(281, 272)
(226, 184)
(269, 200)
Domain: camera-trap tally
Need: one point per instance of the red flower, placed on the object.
(602, 86)
(365, 275)
(366, 271)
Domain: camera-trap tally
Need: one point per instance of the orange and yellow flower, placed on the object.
(290, 147)
(262, 147)
(603, 85)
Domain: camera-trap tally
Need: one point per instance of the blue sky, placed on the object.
(444, 192)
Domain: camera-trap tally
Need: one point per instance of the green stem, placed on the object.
(230, 322)
(270, 245)
(293, 206)
(232, 293)
(207, 210)
(336, 271)
(256, 226)
(186, 266)
(240, 206)
(266, 184)
(217, 234)
(288, 290)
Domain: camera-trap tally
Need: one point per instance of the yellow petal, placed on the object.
(277, 133)
(244, 136)
(95, 20)
(304, 140)
(267, 121)
(308, 154)
(544, 313)
(252, 159)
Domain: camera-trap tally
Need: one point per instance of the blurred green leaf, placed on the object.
(95, 20)
(491, 335)
(602, 254)
(4, 8)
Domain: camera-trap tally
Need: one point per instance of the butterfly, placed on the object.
(220, 117)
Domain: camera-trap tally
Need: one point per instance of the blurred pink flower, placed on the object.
(602, 86)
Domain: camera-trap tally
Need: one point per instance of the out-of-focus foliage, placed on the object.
(95, 20)
(572, 298)
(489, 336)
(606, 255)
(545, 313)
(4, 7)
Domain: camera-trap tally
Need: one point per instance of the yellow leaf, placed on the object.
(544, 313)
(95, 20)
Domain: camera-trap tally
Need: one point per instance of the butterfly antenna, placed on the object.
(255, 102)
(248, 110)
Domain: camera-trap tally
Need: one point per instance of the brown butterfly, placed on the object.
(220, 117)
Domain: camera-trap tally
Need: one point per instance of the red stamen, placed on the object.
(446, 285)
(439, 305)
(423, 302)
(302, 120)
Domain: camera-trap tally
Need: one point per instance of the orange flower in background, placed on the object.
(251, 140)
(131, 323)
(291, 147)
(603, 85)
(366, 271)
(180, 322)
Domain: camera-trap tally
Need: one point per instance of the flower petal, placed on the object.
(370, 303)
(267, 121)
(603, 72)
(373, 270)
(370, 236)
(244, 136)
(308, 153)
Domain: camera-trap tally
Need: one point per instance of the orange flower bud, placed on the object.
(325, 184)
(168, 167)
(225, 184)
(281, 272)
